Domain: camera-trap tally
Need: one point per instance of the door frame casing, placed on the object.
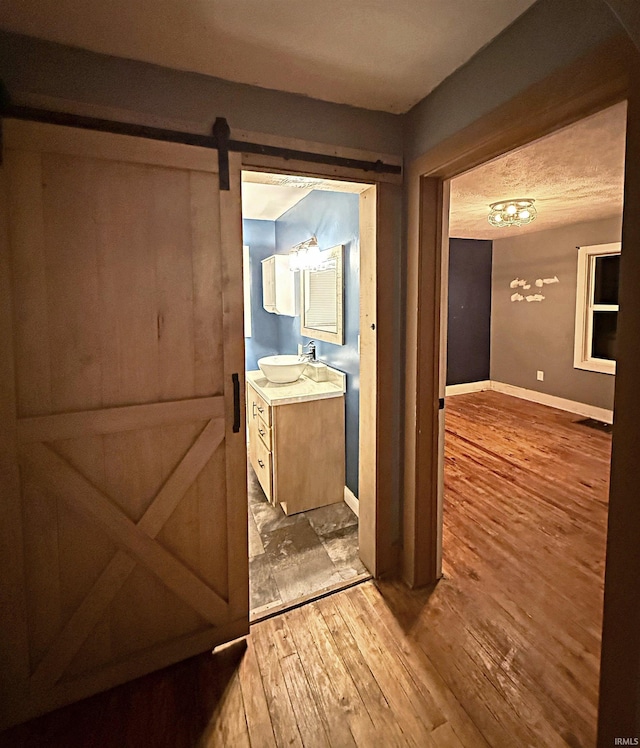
(380, 386)
(581, 89)
(606, 76)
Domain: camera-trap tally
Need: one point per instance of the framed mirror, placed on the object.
(322, 298)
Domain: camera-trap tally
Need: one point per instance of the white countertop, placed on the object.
(300, 391)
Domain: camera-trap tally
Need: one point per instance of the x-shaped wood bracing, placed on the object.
(136, 540)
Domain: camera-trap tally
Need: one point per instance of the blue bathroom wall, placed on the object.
(260, 237)
(333, 217)
(469, 303)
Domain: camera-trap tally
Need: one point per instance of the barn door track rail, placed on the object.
(220, 139)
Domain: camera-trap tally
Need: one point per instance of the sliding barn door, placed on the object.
(123, 526)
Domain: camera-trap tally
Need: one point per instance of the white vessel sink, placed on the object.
(282, 369)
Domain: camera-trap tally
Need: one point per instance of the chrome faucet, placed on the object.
(310, 354)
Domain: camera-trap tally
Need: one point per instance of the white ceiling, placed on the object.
(574, 175)
(267, 196)
(377, 54)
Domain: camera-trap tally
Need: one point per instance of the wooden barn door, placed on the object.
(123, 526)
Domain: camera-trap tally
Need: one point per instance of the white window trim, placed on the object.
(582, 358)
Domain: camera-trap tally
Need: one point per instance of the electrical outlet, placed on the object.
(299, 349)
(540, 376)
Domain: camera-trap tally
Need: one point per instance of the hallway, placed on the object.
(503, 652)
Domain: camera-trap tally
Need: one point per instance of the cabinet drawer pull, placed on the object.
(259, 409)
(261, 432)
(261, 463)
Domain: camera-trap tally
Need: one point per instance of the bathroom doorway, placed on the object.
(301, 238)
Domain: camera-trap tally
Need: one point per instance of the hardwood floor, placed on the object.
(502, 652)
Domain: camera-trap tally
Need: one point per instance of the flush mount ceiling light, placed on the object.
(517, 212)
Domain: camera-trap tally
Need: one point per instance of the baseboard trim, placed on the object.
(463, 389)
(581, 409)
(571, 406)
(351, 501)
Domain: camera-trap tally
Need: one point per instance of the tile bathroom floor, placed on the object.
(292, 558)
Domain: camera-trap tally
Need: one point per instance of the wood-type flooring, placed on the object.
(503, 651)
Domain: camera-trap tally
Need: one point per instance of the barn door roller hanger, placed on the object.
(220, 139)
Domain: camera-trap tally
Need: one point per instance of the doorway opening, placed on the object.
(530, 351)
(301, 238)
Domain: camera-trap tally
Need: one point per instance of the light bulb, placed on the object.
(313, 256)
(511, 209)
(524, 214)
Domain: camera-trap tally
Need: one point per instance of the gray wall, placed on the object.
(530, 336)
(150, 94)
(550, 35)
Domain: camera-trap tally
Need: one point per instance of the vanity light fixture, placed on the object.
(517, 212)
(305, 256)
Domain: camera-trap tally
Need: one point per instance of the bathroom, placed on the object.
(303, 437)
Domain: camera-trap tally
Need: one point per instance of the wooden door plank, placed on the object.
(170, 234)
(207, 285)
(72, 228)
(367, 437)
(56, 477)
(116, 420)
(32, 345)
(14, 651)
(73, 141)
(180, 534)
(212, 526)
(84, 550)
(120, 567)
(235, 442)
(128, 288)
(182, 477)
(42, 577)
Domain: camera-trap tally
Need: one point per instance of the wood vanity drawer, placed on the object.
(263, 431)
(261, 463)
(258, 407)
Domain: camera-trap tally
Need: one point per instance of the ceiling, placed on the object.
(574, 175)
(266, 197)
(369, 53)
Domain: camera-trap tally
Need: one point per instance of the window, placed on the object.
(597, 308)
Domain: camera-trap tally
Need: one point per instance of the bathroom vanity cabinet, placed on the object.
(297, 441)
